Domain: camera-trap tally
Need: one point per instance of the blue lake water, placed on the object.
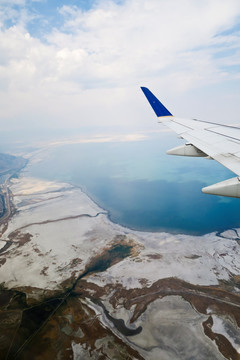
(142, 187)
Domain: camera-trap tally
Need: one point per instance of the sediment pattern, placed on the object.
(75, 285)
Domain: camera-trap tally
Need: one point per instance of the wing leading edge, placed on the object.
(204, 139)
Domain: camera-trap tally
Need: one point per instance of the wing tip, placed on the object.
(159, 109)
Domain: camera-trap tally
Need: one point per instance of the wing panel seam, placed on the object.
(224, 135)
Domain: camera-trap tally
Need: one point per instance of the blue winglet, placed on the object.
(157, 106)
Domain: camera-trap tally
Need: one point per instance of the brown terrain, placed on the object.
(46, 323)
(42, 324)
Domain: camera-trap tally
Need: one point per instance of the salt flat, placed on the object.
(57, 231)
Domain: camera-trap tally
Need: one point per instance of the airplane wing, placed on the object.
(205, 139)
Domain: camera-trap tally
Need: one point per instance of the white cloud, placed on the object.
(94, 63)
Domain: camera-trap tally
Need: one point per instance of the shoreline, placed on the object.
(128, 228)
(63, 243)
(41, 154)
(72, 215)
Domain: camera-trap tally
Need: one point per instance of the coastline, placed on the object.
(47, 203)
(63, 245)
(150, 200)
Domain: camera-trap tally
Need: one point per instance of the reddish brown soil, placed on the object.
(74, 322)
(202, 298)
(224, 346)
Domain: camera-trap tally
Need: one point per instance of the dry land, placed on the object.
(74, 285)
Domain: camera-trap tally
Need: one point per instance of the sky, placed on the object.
(79, 64)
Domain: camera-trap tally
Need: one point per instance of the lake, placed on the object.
(142, 187)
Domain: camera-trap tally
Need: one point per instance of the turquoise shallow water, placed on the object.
(142, 187)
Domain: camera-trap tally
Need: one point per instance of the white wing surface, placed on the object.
(216, 141)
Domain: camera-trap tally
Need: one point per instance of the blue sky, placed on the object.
(49, 15)
(72, 64)
(45, 14)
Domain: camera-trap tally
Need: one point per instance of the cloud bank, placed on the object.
(83, 67)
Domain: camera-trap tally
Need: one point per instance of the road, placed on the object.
(6, 195)
(5, 192)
